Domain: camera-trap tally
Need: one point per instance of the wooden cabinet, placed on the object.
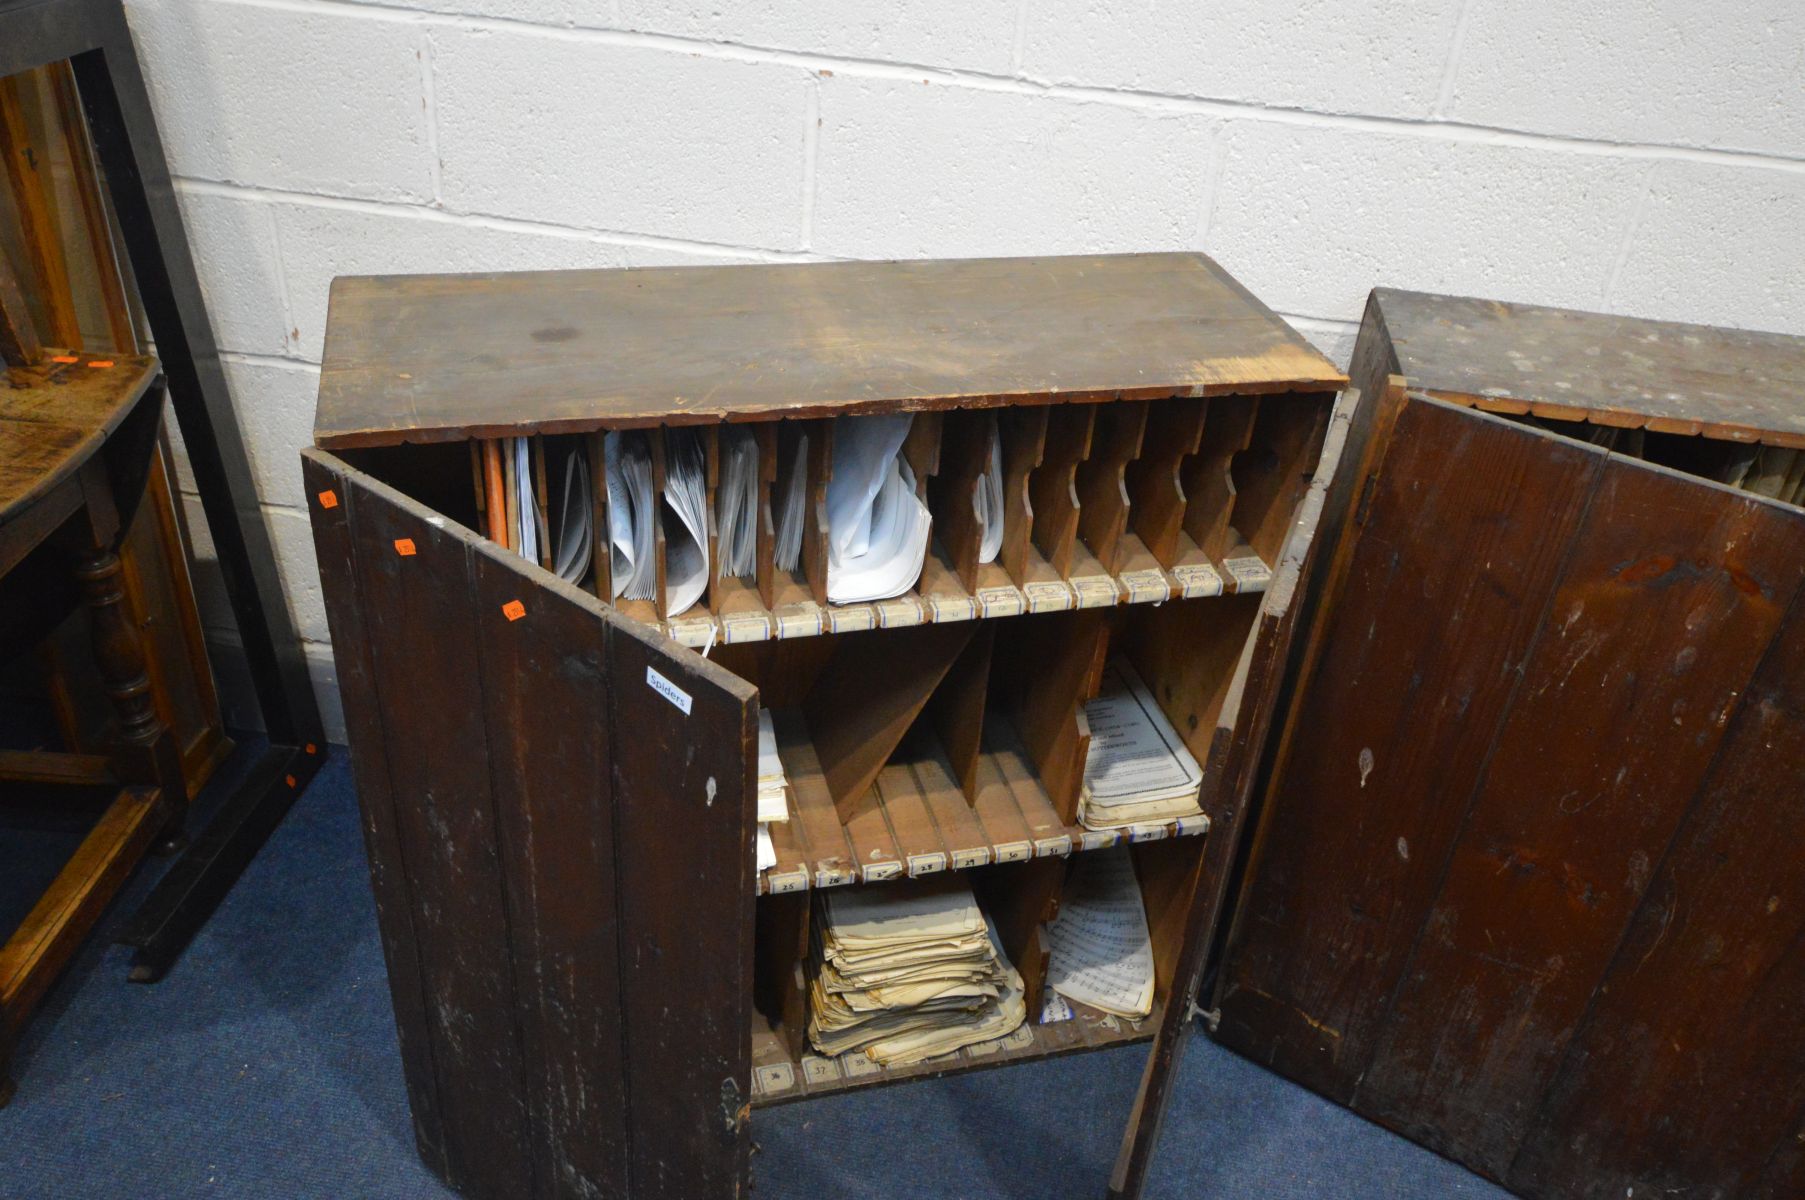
(1526, 885)
(593, 984)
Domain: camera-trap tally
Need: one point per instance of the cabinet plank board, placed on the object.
(554, 814)
(1707, 987)
(397, 920)
(1374, 774)
(684, 734)
(414, 581)
(441, 357)
(1563, 832)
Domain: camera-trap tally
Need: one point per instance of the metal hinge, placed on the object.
(1211, 1016)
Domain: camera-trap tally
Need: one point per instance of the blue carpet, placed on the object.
(265, 1066)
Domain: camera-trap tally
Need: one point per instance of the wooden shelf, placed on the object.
(916, 821)
(778, 1076)
(939, 597)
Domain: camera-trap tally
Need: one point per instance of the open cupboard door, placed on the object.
(1242, 724)
(571, 817)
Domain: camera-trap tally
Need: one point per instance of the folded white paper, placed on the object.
(576, 521)
(686, 538)
(990, 500)
(878, 528)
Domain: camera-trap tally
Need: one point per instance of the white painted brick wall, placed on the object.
(1637, 156)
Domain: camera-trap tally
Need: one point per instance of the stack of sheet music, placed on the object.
(908, 971)
(1772, 471)
(1098, 949)
(773, 789)
(736, 503)
(990, 499)
(632, 509)
(1138, 770)
(516, 512)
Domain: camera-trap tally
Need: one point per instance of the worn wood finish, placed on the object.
(1610, 370)
(1174, 433)
(1649, 638)
(1208, 484)
(415, 600)
(684, 791)
(1700, 1017)
(415, 358)
(1101, 480)
(59, 419)
(1371, 777)
(85, 181)
(554, 815)
(328, 504)
(1547, 931)
(19, 345)
(32, 199)
(1235, 749)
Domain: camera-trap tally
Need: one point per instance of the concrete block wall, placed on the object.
(1635, 156)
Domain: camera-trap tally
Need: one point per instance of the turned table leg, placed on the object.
(147, 751)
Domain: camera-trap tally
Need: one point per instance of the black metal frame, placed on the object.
(93, 36)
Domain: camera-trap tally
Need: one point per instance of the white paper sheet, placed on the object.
(528, 540)
(790, 510)
(773, 784)
(628, 462)
(736, 503)
(1099, 952)
(576, 520)
(686, 538)
(990, 500)
(1135, 755)
(767, 853)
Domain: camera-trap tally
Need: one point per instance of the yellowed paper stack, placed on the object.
(908, 971)
(1138, 770)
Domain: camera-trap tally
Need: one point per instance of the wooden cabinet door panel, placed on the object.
(559, 806)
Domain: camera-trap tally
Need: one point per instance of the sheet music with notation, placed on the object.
(1100, 953)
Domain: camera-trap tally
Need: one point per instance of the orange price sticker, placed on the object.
(404, 547)
(513, 610)
(290, 779)
(328, 499)
(310, 748)
(101, 363)
(64, 358)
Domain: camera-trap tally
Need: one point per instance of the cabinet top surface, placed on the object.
(441, 357)
(1560, 363)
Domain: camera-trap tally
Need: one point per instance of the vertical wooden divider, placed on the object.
(660, 601)
(953, 495)
(766, 434)
(1174, 432)
(480, 484)
(780, 947)
(814, 526)
(856, 724)
(1020, 898)
(1271, 480)
(601, 559)
(956, 709)
(1023, 432)
(1052, 488)
(1100, 479)
(1047, 667)
(1208, 485)
(921, 449)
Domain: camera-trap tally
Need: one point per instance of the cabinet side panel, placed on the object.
(1442, 590)
(1668, 601)
(684, 740)
(413, 576)
(1701, 1019)
(545, 691)
(376, 801)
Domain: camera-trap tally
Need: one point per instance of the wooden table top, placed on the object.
(420, 358)
(1579, 366)
(53, 423)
